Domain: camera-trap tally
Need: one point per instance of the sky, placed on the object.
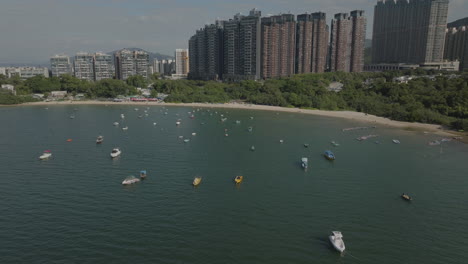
(33, 30)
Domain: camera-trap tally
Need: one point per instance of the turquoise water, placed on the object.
(74, 209)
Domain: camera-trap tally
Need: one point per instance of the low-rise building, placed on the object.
(9, 87)
(58, 94)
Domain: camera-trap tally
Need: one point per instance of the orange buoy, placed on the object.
(69, 140)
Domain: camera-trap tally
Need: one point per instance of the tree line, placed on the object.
(441, 99)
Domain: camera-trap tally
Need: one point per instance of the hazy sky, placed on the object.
(33, 30)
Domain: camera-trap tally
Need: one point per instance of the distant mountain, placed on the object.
(152, 55)
(459, 23)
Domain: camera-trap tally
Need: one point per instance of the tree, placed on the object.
(137, 81)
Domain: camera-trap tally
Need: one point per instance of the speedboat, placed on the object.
(406, 197)
(196, 181)
(335, 144)
(186, 140)
(143, 174)
(130, 180)
(252, 148)
(304, 162)
(99, 139)
(337, 241)
(329, 155)
(281, 141)
(396, 141)
(116, 123)
(115, 152)
(194, 134)
(47, 154)
(250, 129)
(238, 121)
(306, 145)
(177, 123)
(122, 116)
(125, 128)
(238, 179)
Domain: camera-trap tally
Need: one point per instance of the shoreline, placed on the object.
(349, 115)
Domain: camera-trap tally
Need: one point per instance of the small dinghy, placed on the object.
(196, 181)
(337, 241)
(406, 197)
(99, 139)
(238, 179)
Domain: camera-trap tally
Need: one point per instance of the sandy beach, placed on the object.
(349, 115)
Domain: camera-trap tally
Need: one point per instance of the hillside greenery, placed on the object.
(442, 99)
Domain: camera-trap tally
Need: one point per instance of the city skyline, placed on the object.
(155, 26)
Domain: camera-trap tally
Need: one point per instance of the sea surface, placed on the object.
(73, 208)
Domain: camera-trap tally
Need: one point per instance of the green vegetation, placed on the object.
(439, 100)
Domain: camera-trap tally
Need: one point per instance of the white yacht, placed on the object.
(116, 123)
(130, 180)
(337, 241)
(47, 154)
(115, 152)
(125, 128)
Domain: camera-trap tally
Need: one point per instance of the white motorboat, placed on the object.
(130, 180)
(177, 123)
(281, 141)
(337, 241)
(396, 141)
(115, 152)
(187, 140)
(116, 123)
(47, 154)
(125, 128)
(194, 134)
(99, 139)
(122, 116)
(305, 163)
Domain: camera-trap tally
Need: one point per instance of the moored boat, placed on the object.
(115, 152)
(116, 123)
(196, 181)
(406, 197)
(336, 239)
(130, 180)
(252, 148)
(238, 179)
(47, 154)
(99, 139)
(305, 162)
(125, 128)
(143, 174)
(334, 143)
(306, 145)
(396, 141)
(329, 155)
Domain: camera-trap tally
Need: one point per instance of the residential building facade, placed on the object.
(456, 45)
(128, 63)
(103, 66)
(182, 61)
(278, 46)
(409, 31)
(312, 36)
(83, 66)
(60, 64)
(347, 42)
